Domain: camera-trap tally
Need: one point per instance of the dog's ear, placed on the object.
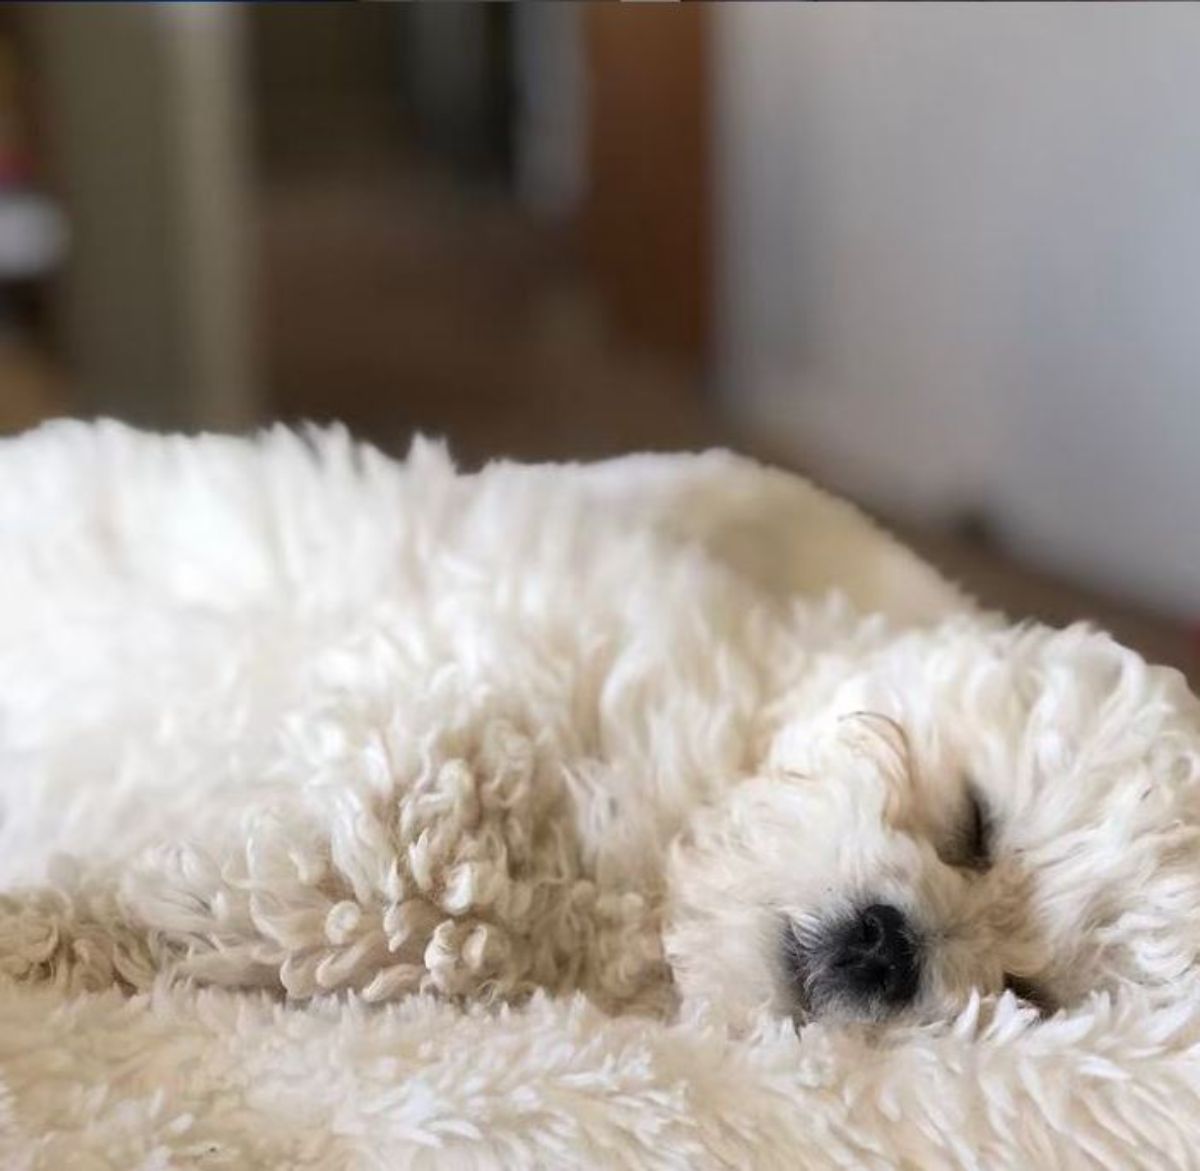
(875, 735)
(866, 751)
(876, 745)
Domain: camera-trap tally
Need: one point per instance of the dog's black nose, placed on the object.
(875, 958)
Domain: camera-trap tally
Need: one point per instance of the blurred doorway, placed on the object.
(486, 223)
(647, 221)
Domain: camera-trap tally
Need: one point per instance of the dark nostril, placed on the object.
(879, 929)
(877, 956)
(873, 926)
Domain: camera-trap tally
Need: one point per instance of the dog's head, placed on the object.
(968, 808)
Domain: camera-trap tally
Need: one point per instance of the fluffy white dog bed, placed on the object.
(201, 639)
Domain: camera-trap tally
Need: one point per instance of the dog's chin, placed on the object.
(832, 1009)
(837, 1012)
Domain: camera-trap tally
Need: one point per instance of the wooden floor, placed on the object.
(399, 306)
(31, 387)
(1022, 592)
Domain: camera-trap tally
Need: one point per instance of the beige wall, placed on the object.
(144, 110)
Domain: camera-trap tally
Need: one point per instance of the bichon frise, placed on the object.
(289, 715)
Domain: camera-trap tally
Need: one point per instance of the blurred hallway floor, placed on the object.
(999, 581)
(401, 305)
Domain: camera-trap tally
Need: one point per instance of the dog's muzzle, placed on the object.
(874, 958)
(866, 964)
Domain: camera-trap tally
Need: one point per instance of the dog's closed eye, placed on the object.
(971, 845)
(979, 833)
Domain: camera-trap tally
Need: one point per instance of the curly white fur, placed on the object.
(290, 716)
(383, 728)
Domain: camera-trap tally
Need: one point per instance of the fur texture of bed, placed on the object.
(210, 670)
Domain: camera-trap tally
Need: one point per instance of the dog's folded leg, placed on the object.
(73, 941)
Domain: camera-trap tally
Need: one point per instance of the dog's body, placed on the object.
(636, 728)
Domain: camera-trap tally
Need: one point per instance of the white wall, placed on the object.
(960, 266)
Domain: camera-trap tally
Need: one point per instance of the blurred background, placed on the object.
(945, 259)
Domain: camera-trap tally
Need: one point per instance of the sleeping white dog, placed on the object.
(290, 715)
